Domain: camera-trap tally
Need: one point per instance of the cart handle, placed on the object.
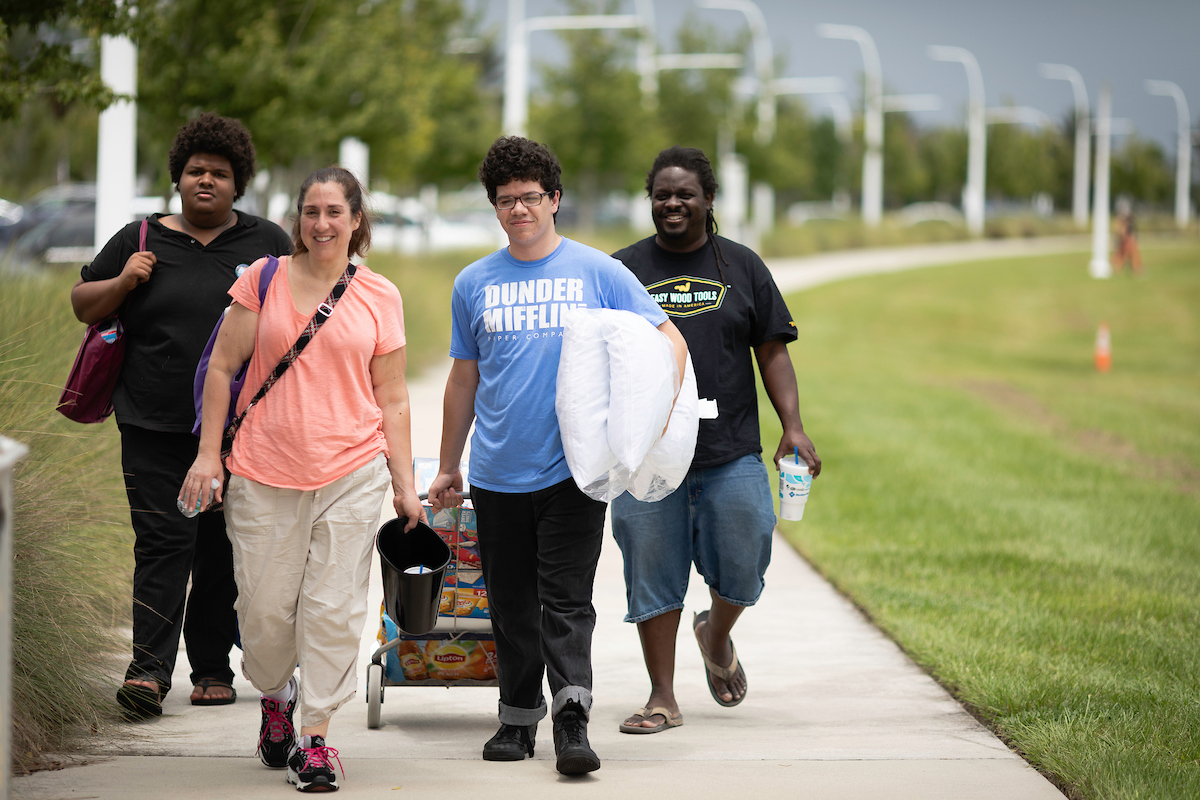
(466, 495)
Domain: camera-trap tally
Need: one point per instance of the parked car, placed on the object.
(68, 238)
(58, 225)
(10, 215)
(65, 199)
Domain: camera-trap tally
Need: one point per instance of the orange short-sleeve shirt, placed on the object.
(320, 421)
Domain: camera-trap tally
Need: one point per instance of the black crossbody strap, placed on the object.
(310, 330)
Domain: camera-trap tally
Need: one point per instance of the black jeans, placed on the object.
(168, 549)
(539, 552)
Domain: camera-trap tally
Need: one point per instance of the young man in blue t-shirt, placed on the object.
(539, 535)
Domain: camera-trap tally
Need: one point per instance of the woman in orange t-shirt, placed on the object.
(309, 468)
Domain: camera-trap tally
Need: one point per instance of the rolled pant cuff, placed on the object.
(572, 694)
(524, 717)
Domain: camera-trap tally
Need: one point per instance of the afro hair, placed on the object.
(218, 136)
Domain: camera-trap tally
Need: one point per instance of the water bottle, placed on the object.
(191, 512)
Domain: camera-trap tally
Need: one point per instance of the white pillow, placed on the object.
(643, 379)
(667, 463)
(581, 397)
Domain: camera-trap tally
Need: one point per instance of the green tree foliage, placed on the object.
(1140, 171)
(41, 50)
(303, 74)
(944, 153)
(906, 176)
(47, 143)
(1024, 162)
(829, 172)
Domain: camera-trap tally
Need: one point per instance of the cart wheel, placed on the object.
(374, 694)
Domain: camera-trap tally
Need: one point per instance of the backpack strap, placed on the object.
(324, 310)
(264, 279)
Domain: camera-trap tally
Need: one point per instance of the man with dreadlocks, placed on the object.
(725, 303)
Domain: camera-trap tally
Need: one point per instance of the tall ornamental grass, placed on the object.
(71, 537)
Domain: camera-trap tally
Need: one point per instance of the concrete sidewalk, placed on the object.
(834, 709)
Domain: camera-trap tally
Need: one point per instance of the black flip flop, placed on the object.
(140, 702)
(208, 683)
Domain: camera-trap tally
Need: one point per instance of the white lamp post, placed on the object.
(355, 155)
(116, 141)
(645, 54)
(516, 59)
(1183, 149)
(1099, 266)
(763, 61)
(1079, 193)
(872, 172)
(973, 192)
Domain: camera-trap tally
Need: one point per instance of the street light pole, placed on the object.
(763, 62)
(516, 71)
(872, 172)
(1183, 149)
(516, 60)
(973, 193)
(1099, 266)
(647, 45)
(116, 140)
(1083, 137)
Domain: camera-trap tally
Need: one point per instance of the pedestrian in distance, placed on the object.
(1127, 241)
(309, 466)
(170, 294)
(726, 305)
(539, 534)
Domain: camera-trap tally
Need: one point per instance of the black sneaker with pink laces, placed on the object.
(310, 766)
(277, 736)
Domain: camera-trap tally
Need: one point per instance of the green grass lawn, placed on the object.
(1026, 528)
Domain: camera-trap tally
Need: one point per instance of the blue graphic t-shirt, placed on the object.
(507, 315)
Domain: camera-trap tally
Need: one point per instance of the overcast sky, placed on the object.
(1122, 43)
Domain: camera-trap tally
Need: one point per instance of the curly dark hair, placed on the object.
(514, 158)
(360, 240)
(219, 136)
(694, 161)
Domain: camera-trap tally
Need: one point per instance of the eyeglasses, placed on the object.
(528, 200)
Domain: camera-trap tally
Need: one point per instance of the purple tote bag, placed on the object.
(87, 397)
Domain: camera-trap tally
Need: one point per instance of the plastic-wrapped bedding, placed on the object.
(617, 379)
(667, 463)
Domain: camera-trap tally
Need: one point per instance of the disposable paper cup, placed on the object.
(794, 483)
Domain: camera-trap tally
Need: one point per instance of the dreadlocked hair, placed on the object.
(694, 161)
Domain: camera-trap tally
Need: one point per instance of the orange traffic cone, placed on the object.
(1103, 352)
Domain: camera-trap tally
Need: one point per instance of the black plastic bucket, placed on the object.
(412, 600)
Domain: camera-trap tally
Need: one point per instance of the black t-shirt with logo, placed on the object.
(721, 325)
(169, 318)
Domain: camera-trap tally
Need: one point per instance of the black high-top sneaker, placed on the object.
(575, 755)
(511, 743)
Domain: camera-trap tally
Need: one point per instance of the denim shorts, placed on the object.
(720, 518)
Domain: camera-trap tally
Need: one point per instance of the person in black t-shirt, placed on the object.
(725, 303)
(170, 296)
